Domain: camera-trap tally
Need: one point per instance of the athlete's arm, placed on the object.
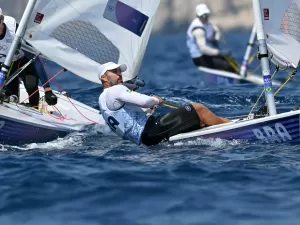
(119, 95)
(199, 35)
(218, 33)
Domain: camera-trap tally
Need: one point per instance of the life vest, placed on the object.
(191, 41)
(128, 122)
(6, 42)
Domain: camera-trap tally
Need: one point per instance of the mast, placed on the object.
(244, 66)
(19, 34)
(269, 94)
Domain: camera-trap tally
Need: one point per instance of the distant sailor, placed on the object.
(32, 73)
(121, 108)
(203, 42)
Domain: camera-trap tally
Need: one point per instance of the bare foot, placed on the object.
(226, 120)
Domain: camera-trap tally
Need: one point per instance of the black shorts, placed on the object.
(214, 62)
(180, 120)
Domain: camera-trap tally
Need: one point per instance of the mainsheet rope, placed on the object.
(61, 90)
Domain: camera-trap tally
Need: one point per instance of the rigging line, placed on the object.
(170, 106)
(59, 72)
(61, 118)
(287, 80)
(49, 74)
(59, 87)
(233, 64)
(255, 70)
(251, 59)
(10, 69)
(57, 84)
(81, 112)
(47, 71)
(261, 94)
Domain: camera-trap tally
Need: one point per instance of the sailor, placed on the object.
(122, 110)
(32, 73)
(203, 42)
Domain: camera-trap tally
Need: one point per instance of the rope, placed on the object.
(81, 113)
(279, 89)
(236, 66)
(233, 63)
(44, 84)
(47, 71)
(251, 59)
(289, 78)
(61, 89)
(261, 94)
(255, 70)
(170, 106)
(10, 69)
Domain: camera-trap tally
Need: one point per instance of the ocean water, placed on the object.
(94, 177)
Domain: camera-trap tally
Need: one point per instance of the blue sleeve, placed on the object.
(39, 68)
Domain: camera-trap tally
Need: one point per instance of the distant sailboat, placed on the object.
(215, 76)
(277, 24)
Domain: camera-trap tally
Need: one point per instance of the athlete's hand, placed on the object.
(161, 102)
(153, 108)
(50, 97)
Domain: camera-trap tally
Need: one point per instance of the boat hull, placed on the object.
(219, 77)
(23, 125)
(279, 128)
(16, 132)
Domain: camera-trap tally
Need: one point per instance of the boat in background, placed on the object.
(221, 77)
(278, 36)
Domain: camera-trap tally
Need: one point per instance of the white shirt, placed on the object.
(122, 110)
(119, 95)
(200, 37)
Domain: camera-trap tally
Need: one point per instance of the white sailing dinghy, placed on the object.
(214, 76)
(78, 35)
(278, 29)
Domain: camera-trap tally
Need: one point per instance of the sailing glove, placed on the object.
(50, 98)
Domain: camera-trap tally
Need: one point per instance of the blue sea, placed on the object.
(95, 178)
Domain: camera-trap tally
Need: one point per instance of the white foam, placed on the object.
(179, 101)
(217, 143)
(72, 140)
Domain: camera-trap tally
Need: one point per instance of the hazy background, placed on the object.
(174, 15)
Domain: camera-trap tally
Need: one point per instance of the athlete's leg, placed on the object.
(13, 87)
(207, 117)
(31, 85)
(221, 63)
(31, 81)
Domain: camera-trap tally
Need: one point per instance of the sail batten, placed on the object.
(281, 21)
(80, 35)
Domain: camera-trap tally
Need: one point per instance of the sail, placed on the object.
(79, 35)
(281, 22)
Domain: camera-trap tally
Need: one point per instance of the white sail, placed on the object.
(80, 35)
(281, 21)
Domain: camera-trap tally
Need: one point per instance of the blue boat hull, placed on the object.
(219, 77)
(16, 133)
(212, 79)
(279, 128)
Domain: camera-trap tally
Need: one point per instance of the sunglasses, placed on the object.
(205, 16)
(116, 71)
